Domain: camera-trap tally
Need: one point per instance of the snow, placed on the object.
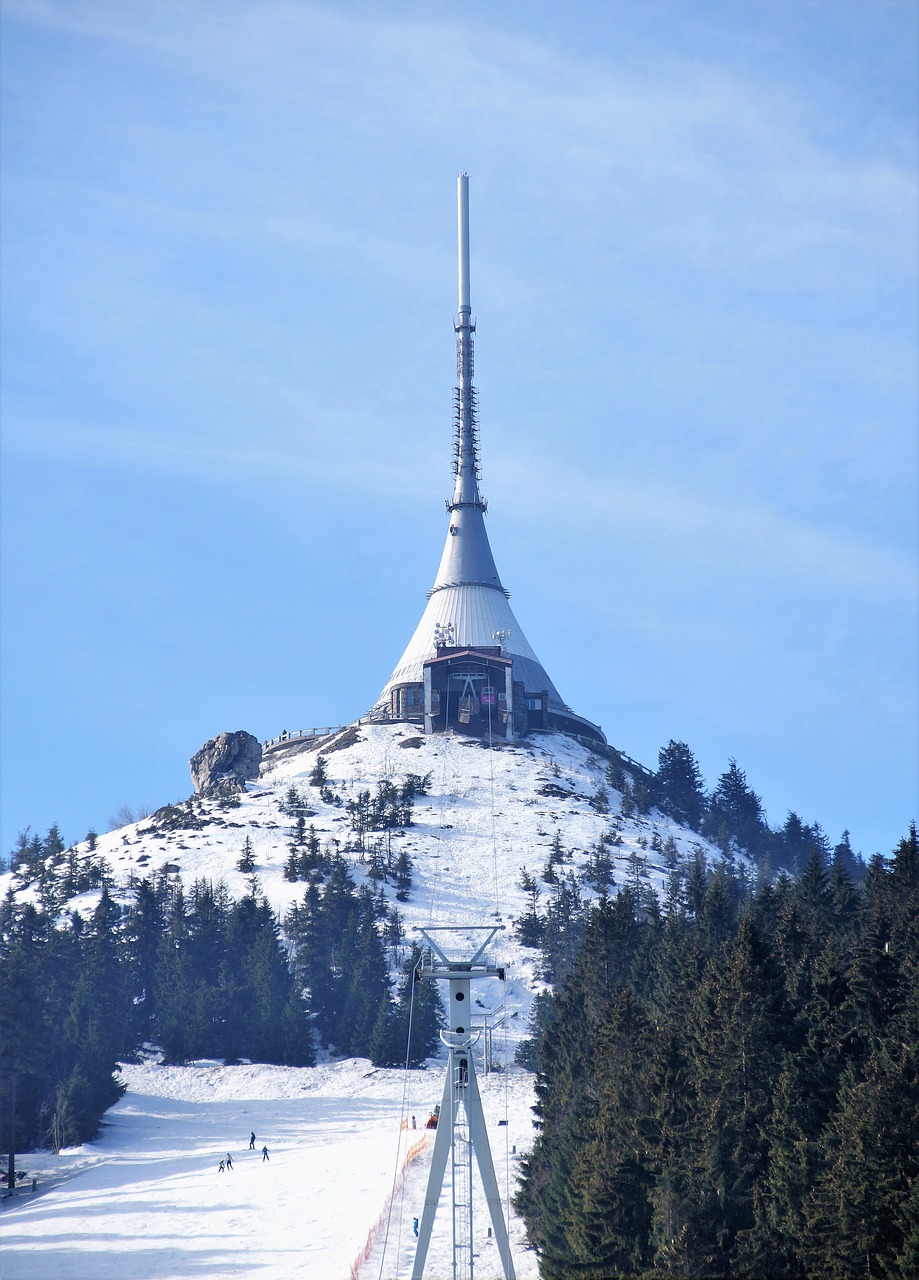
(145, 1201)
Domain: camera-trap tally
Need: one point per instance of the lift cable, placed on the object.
(504, 1041)
(402, 1129)
(494, 821)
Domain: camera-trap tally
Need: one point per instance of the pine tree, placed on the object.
(735, 812)
(366, 985)
(860, 1199)
(739, 1037)
(529, 1051)
(23, 1046)
(846, 859)
(529, 926)
(359, 811)
(678, 787)
(403, 876)
(246, 862)
(297, 1036)
(598, 871)
(316, 966)
(144, 927)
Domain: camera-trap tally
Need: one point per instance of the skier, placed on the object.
(415, 1226)
(414, 1126)
(265, 1155)
(229, 1162)
(252, 1140)
(220, 1166)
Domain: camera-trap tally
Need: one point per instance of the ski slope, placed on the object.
(145, 1200)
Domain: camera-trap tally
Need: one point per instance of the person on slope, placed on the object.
(220, 1166)
(252, 1140)
(265, 1155)
(229, 1162)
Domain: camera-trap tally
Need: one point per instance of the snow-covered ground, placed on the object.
(145, 1201)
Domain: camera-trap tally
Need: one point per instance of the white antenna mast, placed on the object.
(465, 409)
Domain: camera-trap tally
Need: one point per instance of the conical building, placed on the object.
(468, 665)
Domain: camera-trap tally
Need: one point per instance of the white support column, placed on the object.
(443, 1141)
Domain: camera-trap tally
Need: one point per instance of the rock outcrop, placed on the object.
(230, 755)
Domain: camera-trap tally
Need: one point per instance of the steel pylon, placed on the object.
(461, 1134)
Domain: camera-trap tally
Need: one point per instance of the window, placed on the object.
(534, 704)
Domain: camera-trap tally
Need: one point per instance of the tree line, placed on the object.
(731, 815)
(195, 973)
(729, 1084)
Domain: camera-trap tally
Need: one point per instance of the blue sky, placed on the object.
(228, 289)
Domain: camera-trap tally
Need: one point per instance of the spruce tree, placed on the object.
(529, 926)
(246, 862)
(735, 813)
(678, 786)
(365, 985)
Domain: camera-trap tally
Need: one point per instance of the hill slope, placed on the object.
(334, 1129)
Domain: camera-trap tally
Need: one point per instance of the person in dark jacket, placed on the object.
(264, 1154)
(252, 1140)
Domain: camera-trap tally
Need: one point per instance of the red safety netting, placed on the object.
(373, 1234)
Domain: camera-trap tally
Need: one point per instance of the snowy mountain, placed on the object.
(146, 1199)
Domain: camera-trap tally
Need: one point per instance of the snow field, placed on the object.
(149, 1204)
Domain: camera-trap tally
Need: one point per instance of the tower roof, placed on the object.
(468, 602)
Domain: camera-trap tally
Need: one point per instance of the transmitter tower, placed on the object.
(468, 666)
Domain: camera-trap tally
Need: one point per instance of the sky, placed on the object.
(229, 281)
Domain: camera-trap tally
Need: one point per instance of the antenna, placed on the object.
(444, 633)
(462, 229)
(465, 399)
(461, 1132)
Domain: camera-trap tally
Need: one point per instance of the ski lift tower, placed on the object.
(461, 1131)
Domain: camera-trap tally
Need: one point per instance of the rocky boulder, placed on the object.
(230, 755)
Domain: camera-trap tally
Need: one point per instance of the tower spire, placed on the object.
(467, 557)
(465, 418)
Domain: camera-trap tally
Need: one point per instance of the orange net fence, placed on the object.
(373, 1234)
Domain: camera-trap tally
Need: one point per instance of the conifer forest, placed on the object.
(729, 1084)
(198, 975)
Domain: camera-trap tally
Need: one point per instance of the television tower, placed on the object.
(468, 665)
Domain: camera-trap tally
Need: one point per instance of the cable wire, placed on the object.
(494, 821)
(404, 1112)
